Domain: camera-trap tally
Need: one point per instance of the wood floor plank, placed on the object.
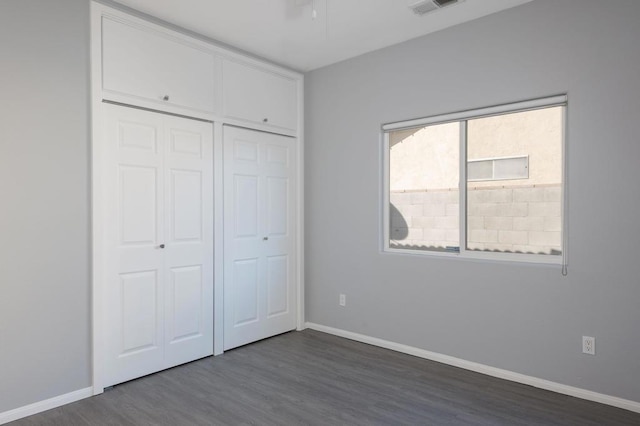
(312, 378)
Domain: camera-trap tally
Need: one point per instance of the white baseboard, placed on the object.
(38, 407)
(484, 369)
(48, 404)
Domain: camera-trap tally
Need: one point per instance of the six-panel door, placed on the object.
(259, 235)
(159, 310)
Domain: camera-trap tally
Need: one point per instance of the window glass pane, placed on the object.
(511, 168)
(498, 169)
(519, 209)
(424, 188)
(480, 170)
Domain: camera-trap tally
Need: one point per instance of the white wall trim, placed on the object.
(484, 369)
(47, 404)
(300, 320)
(218, 241)
(97, 203)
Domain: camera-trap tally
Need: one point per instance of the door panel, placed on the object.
(138, 136)
(140, 320)
(138, 204)
(277, 155)
(159, 304)
(186, 187)
(259, 236)
(189, 243)
(246, 291)
(186, 288)
(246, 206)
(186, 143)
(277, 285)
(277, 206)
(245, 151)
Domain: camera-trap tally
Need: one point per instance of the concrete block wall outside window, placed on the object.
(517, 220)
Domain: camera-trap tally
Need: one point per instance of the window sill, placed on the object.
(512, 258)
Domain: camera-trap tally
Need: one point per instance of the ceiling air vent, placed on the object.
(425, 6)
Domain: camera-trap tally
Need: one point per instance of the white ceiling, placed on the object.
(284, 31)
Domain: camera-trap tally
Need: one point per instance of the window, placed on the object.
(486, 183)
(498, 168)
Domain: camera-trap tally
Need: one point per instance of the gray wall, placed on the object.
(524, 318)
(44, 190)
(519, 317)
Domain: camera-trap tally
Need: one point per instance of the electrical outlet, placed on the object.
(343, 300)
(588, 345)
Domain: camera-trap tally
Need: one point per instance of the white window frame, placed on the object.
(462, 117)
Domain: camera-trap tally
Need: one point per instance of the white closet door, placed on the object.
(259, 236)
(189, 240)
(159, 292)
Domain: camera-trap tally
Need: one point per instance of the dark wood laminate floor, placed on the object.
(312, 378)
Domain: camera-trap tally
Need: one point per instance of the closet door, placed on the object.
(259, 236)
(159, 292)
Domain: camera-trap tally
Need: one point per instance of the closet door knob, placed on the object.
(165, 98)
(264, 120)
(161, 246)
(265, 238)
